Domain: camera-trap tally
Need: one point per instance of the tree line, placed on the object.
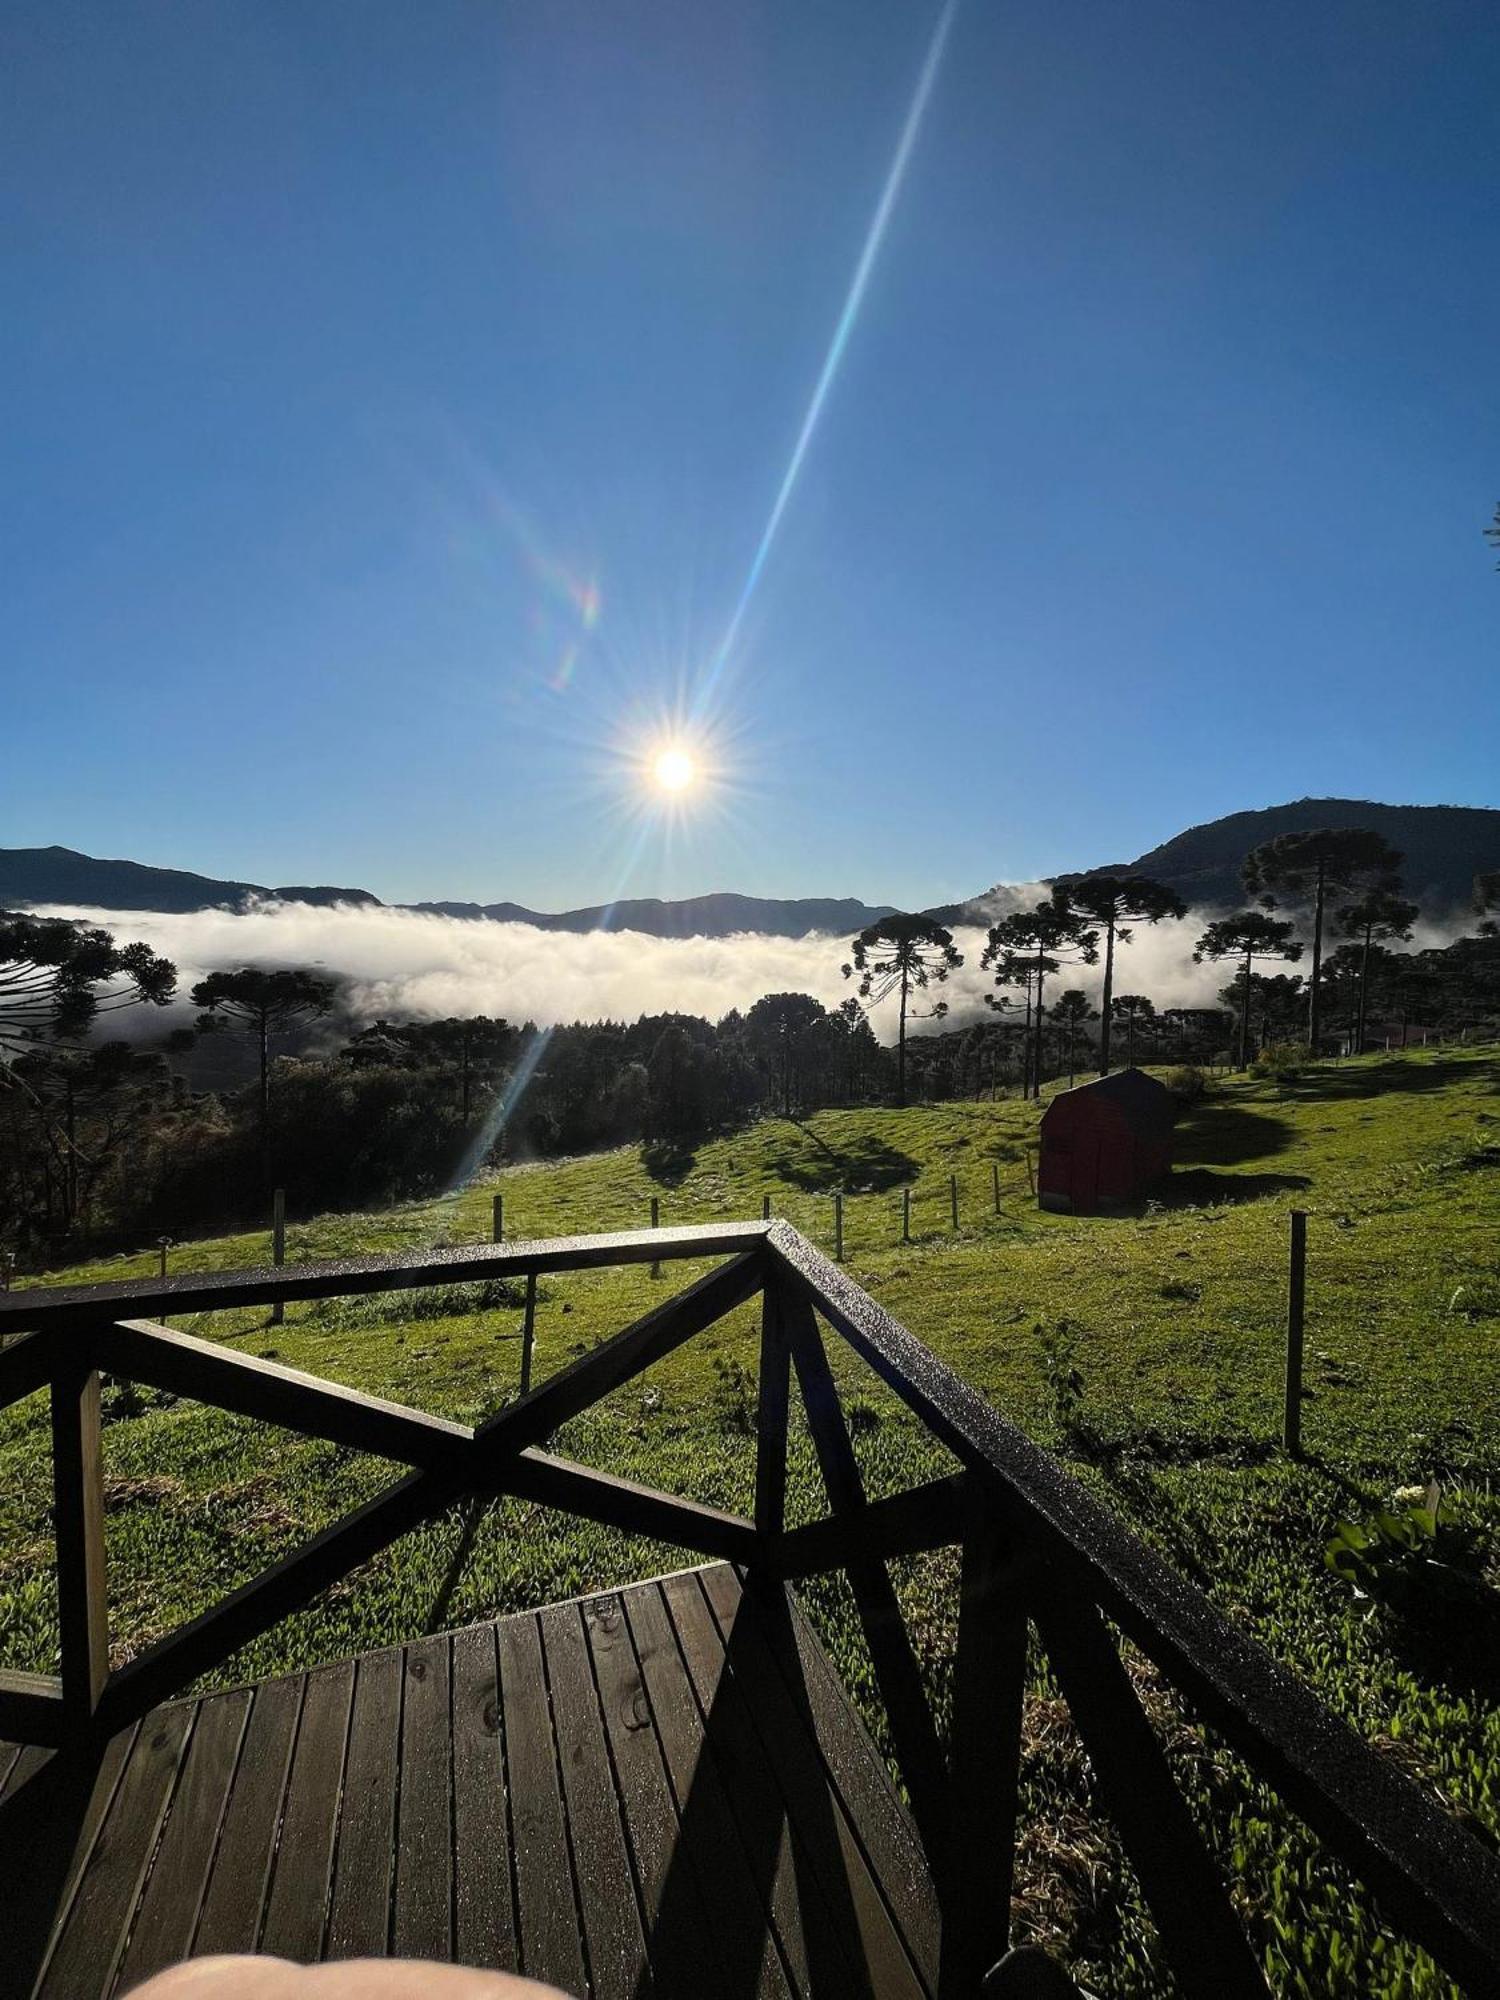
(106, 1141)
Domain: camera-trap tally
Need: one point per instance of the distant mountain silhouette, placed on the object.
(1445, 846)
(30, 875)
(62, 875)
(721, 915)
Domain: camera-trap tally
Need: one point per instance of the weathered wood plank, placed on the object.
(83, 1960)
(359, 1913)
(251, 1387)
(815, 1953)
(424, 1855)
(906, 1524)
(485, 1933)
(297, 1907)
(235, 1900)
(548, 1911)
(792, 1733)
(72, 1306)
(168, 1914)
(680, 1929)
(708, 1836)
(771, 1414)
(635, 1510)
(25, 1367)
(913, 1732)
(78, 1513)
(989, 1680)
(31, 1708)
(611, 1919)
(1200, 1934)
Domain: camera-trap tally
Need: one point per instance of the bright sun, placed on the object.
(674, 769)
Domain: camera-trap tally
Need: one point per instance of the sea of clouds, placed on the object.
(405, 964)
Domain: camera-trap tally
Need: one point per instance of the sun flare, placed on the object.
(674, 769)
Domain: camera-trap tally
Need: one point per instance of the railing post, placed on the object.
(656, 1224)
(528, 1333)
(278, 1247)
(838, 1228)
(497, 1219)
(78, 1508)
(989, 1680)
(1295, 1300)
(771, 1413)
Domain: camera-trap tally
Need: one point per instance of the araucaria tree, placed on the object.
(1070, 1012)
(904, 953)
(57, 978)
(1025, 950)
(1375, 919)
(1134, 1010)
(1115, 903)
(1306, 868)
(262, 1004)
(1247, 936)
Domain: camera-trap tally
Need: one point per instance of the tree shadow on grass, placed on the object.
(1397, 1075)
(668, 1161)
(1214, 1134)
(1201, 1187)
(864, 1166)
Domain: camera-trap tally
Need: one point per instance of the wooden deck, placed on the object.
(660, 1790)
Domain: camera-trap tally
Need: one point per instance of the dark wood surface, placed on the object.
(661, 1790)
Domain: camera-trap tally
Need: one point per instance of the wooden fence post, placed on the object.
(765, 1208)
(906, 1215)
(838, 1227)
(528, 1333)
(953, 1197)
(656, 1224)
(78, 1507)
(771, 1412)
(497, 1219)
(163, 1244)
(278, 1247)
(1295, 1300)
(995, 1176)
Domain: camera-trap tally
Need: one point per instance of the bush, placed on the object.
(1187, 1083)
(1282, 1061)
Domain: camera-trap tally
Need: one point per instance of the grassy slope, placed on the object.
(1178, 1322)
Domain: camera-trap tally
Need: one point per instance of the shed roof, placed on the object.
(1146, 1106)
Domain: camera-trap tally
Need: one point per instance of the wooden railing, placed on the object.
(1038, 1554)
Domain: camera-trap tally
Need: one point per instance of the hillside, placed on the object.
(1173, 1318)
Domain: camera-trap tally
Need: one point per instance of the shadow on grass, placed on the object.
(668, 1162)
(1201, 1187)
(1396, 1075)
(866, 1165)
(1214, 1134)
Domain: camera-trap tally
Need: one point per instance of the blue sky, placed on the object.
(392, 399)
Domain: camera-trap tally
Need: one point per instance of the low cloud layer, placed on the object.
(402, 964)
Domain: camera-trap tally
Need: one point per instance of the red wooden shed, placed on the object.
(1105, 1143)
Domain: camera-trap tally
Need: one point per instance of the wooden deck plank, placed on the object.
(423, 1921)
(51, 1810)
(168, 1913)
(790, 1736)
(297, 1907)
(83, 1961)
(618, 1965)
(680, 1935)
(547, 1913)
(359, 1914)
(816, 1954)
(484, 1914)
(236, 1896)
(638, 1793)
(708, 1831)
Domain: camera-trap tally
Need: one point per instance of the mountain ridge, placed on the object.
(1444, 846)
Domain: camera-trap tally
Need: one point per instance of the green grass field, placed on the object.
(1175, 1317)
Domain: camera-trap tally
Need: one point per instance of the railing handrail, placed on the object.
(39, 1306)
